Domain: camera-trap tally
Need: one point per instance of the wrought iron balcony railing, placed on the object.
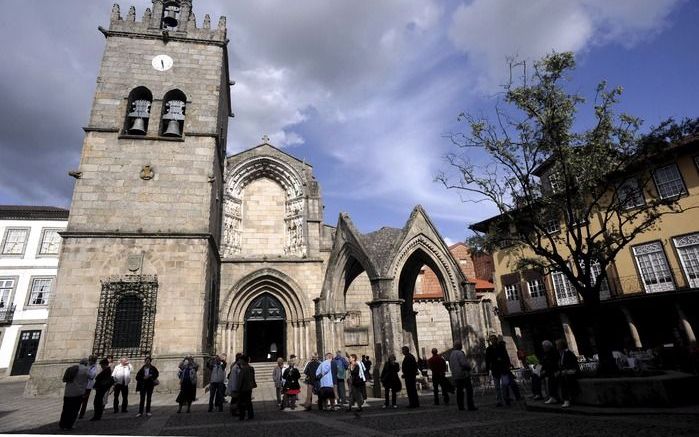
(6, 315)
(667, 281)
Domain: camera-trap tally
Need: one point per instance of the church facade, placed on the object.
(173, 248)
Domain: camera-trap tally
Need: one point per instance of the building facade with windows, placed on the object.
(28, 263)
(173, 248)
(650, 299)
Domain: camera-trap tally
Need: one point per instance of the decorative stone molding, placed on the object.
(687, 240)
(294, 217)
(432, 250)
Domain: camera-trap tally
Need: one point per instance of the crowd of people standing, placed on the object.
(339, 381)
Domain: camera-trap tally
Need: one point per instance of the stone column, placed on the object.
(457, 325)
(388, 334)
(568, 332)
(632, 327)
(689, 332)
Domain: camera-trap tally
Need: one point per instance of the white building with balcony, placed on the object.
(29, 247)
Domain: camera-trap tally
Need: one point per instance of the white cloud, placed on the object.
(490, 31)
(331, 57)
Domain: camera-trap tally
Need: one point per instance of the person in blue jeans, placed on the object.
(342, 366)
(325, 374)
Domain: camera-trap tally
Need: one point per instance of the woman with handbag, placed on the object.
(357, 380)
(146, 380)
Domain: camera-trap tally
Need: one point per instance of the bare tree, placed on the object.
(569, 199)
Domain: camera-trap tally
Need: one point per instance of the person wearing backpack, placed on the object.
(312, 383)
(75, 378)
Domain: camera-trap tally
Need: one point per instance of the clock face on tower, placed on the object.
(162, 62)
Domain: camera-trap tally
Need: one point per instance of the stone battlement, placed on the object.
(151, 23)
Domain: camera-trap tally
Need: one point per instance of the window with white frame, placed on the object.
(50, 242)
(556, 182)
(536, 288)
(565, 292)
(6, 287)
(552, 225)
(655, 271)
(688, 250)
(596, 271)
(668, 181)
(15, 240)
(512, 292)
(630, 194)
(40, 291)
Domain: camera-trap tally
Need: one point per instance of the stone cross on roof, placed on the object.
(265, 139)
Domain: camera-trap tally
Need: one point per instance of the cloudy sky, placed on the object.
(364, 90)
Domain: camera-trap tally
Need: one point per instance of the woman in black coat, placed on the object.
(549, 370)
(146, 380)
(391, 380)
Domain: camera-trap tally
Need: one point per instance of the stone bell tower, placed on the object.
(139, 263)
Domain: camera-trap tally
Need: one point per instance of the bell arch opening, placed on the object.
(265, 329)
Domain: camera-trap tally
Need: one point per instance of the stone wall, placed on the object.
(181, 269)
(263, 227)
(359, 335)
(433, 327)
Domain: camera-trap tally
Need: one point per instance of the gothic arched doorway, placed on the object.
(265, 329)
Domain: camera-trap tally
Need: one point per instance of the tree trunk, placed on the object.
(607, 363)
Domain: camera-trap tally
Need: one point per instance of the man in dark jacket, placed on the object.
(103, 382)
(497, 362)
(410, 371)
(246, 383)
(549, 370)
(312, 383)
(568, 369)
(439, 368)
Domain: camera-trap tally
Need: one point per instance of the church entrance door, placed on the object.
(265, 329)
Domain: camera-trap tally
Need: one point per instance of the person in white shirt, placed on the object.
(122, 377)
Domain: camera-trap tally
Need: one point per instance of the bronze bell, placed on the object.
(170, 18)
(173, 129)
(138, 127)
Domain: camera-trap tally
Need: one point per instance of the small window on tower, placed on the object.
(173, 114)
(138, 111)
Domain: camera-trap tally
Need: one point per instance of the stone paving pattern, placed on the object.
(40, 415)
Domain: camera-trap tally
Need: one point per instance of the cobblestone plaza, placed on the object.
(19, 415)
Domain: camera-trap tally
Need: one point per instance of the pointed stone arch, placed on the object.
(241, 174)
(348, 260)
(297, 309)
(424, 250)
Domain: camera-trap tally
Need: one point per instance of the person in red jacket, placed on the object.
(439, 369)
